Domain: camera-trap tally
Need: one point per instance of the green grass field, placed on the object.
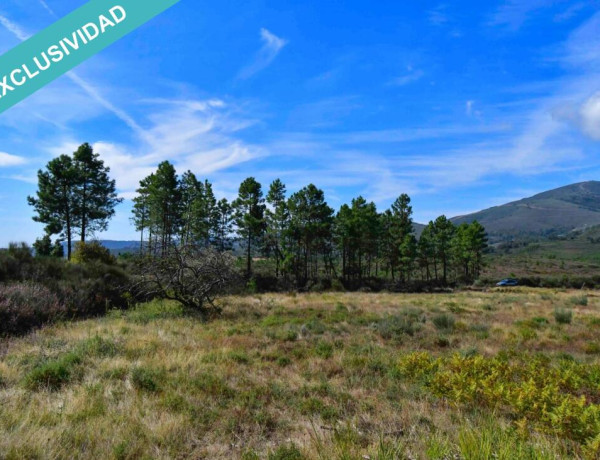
(475, 375)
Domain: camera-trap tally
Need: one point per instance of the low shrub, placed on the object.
(444, 322)
(52, 375)
(146, 379)
(286, 452)
(580, 300)
(396, 326)
(25, 306)
(527, 388)
(563, 316)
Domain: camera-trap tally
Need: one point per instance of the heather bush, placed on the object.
(24, 306)
(37, 291)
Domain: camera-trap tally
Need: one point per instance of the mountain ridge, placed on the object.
(550, 213)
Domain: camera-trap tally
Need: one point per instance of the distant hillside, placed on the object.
(116, 247)
(551, 213)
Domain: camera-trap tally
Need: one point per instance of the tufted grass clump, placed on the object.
(53, 374)
(444, 322)
(563, 316)
(395, 327)
(580, 300)
(147, 379)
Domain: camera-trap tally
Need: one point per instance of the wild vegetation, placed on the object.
(230, 333)
(503, 374)
(302, 237)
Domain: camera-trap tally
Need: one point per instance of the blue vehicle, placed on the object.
(508, 282)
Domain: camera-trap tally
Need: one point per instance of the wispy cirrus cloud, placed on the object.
(412, 75)
(93, 92)
(272, 46)
(14, 28)
(438, 16)
(47, 7)
(7, 160)
(513, 14)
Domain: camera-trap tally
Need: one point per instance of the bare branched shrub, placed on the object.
(24, 306)
(191, 275)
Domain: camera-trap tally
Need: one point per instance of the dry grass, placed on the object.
(282, 377)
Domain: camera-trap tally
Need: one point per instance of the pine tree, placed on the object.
(222, 226)
(56, 200)
(250, 217)
(277, 217)
(443, 234)
(165, 205)
(191, 191)
(310, 231)
(96, 196)
(141, 211)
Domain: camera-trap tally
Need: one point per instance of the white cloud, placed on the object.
(590, 117)
(199, 135)
(512, 14)
(7, 160)
(47, 7)
(272, 46)
(411, 76)
(14, 28)
(438, 16)
(469, 107)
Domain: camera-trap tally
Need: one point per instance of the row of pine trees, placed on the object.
(302, 236)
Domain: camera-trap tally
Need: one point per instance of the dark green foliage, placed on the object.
(286, 452)
(250, 216)
(92, 252)
(324, 350)
(397, 326)
(53, 374)
(44, 290)
(444, 322)
(75, 195)
(147, 379)
(304, 245)
(563, 316)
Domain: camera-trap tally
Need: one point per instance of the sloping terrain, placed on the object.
(550, 213)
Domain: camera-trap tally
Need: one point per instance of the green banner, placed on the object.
(70, 41)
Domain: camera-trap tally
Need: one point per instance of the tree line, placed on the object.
(301, 236)
(298, 236)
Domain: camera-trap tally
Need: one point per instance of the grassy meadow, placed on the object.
(511, 374)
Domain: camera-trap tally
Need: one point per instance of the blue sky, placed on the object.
(463, 105)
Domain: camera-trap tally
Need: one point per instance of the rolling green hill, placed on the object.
(552, 213)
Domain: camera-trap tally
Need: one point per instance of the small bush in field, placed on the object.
(396, 326)
(444, 322)
(286, 452)
(146, 379)
(52, 375)
(580, 300)
(25, 306)
(563, 316)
